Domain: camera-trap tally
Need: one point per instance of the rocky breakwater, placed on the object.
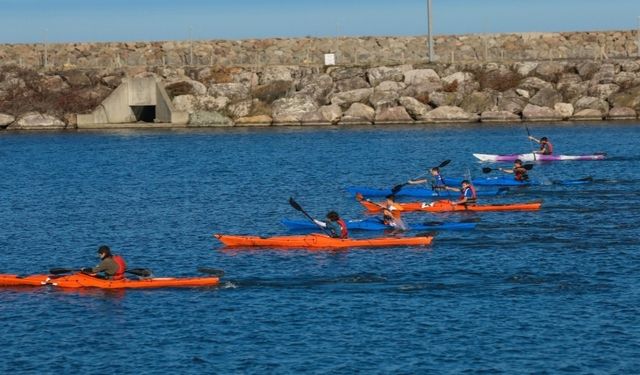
(338, 95)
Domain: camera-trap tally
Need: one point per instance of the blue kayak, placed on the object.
(376, 224)
(419, 192)
(510, 181)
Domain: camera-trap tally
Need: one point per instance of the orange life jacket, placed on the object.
(344, 233)
(122, 267)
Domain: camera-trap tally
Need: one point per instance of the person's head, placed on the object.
(333, 216)
(104, 251)
(544, 139)
(517, 163)
(390, 198)
(435, 171)
(465, 184)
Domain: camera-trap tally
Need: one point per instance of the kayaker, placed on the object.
(519, 171)
(437, 183)
(336, 226)
(111, 266)
(391, 214)
(546, 148)
(467, 193)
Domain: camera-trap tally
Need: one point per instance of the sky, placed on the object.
(35, 21)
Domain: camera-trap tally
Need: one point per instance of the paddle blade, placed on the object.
(359, 197)
(142, 272)
(59, 271)
(444, 163)
(528, 167)
(397, 188)
(486, 170)
(294, 204)
(211, 271)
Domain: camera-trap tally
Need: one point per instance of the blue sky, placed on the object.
(28, 21)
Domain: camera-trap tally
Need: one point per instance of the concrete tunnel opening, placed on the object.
(144, 113)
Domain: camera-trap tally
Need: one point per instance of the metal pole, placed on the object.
(638, 36)
(46, 57)
(430, 42)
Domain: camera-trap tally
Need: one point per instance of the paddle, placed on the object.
(487, 169)
(296, 206)
(531, 143)
(360, 197)
(399, 187)
(211, 271)
(142, 272)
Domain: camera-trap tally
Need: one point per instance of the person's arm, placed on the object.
(101, 267)
(320, 223)
(416, 182)
(452, 188)
(462, 200)
(506, 170)
(534, 139)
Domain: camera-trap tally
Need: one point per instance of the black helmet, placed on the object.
(333, 216)
(104, 250)
(544, 139)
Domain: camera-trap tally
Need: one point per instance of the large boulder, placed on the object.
(345, 99)
(536, 113)
(359, 113)
(414, 107)
(573, 91)
(392, 115)
(546, 97)
(258, 120)
(318, 87)
(350, 84)
(446, 114)
(511, 101)
(5, 120)
(384, 73)
(278, 73)
(588, 115)
(391, 86)
(525, 68)
(622, 113)
(325, 115)
(461, 82)
(53, 83)
(534, 84)
(384, 99)
(627, 79)
(550, 70)
(338, 73)
(629, 98)
(241, 109)
(499, 116)
(606, 74)
(185, 103)
(630, 66)
(272, 91)
(603, 91)
(292, 110)
(209, 119)
(590, 102)
(211, 103)
(234, 91)
(588, 69)
(479, 102)
(417, 77)
(76, 78)
(440, 99)
(564, 109)
(185, 87)
(37, 121)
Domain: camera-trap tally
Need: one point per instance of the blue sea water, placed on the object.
(554, 291)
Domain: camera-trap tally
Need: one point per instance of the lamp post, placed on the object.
(638, 36)
(430, 37)
(45, 57)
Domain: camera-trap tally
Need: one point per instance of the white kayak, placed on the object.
(539, 157)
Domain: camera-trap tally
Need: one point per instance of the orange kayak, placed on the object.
(447, 206)
(81, 280)
(317, 240)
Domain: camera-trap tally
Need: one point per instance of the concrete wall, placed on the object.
(310, 51)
